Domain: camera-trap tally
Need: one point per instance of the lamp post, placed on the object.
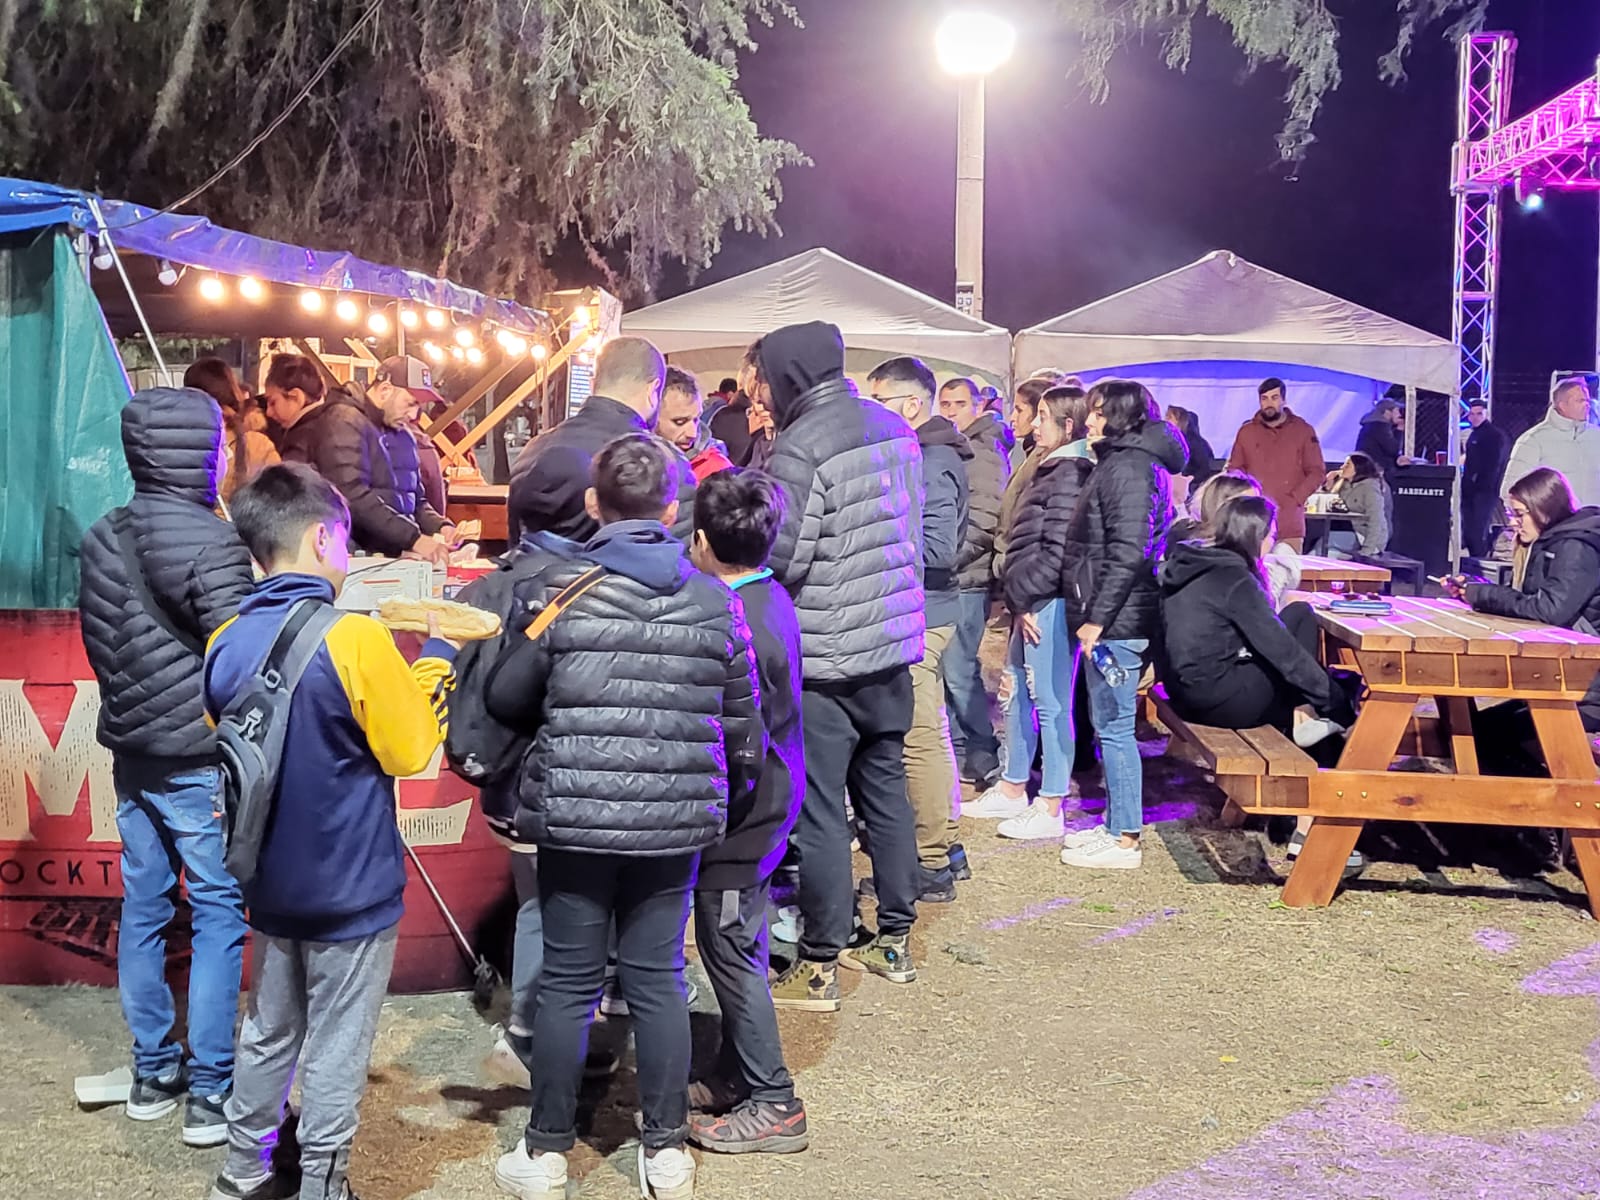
(970, 45)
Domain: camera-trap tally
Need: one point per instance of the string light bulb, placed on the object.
(433, 352)
(457, 353)
(104, 256)
(539, 351)
(515, 346)
(465, 337)
(167, 274)
(250, 288)
(409, 318)
(580, 318)
(378, 323)
(311, 300)
(211, 289)
(347, 310)
(436, 318)
(474, 355)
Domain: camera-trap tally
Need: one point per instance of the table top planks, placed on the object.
(1440, 626)
(1316, 569)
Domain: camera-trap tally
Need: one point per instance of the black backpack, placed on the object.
(251, 731)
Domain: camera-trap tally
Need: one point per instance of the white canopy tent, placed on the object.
(1205, 335)
(875, 314)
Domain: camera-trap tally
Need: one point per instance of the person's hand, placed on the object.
(1405, 460)
(435, 635)
(1455, 586)
(450, 536)
(430, 549)
(1088, 635)
(1330, 481)
(1028, 627)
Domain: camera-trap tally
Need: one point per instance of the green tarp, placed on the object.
(62, 389)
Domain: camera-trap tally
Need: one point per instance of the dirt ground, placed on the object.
(1167, 1034)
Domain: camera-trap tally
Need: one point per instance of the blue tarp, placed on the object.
(196, 242)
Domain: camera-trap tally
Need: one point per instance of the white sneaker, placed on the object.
(1035, 825)
(667, 1175)
(613, 1005)
(520, 1174)
(786, 924)
(995, 805)
(503, 1066)
(1084, 837)
(1318, 729)
(1107, 854)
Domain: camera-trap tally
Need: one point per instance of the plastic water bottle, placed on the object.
(1106, 663)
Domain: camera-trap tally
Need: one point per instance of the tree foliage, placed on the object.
(467, 137)
(1300, 36)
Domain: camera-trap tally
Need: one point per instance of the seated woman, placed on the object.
(1366, 497)
(1282, 563)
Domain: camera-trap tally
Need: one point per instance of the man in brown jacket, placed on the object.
(1282, 452)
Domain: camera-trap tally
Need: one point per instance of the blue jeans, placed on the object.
(1114, 711)
(527, 950)
(170, 828)
(1052, 664)
(971, 725)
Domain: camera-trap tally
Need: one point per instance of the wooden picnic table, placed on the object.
(1441, 648)
(1318, 574)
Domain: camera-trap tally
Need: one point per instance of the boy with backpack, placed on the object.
(326, 887)
(640, 698)
(750, 1101)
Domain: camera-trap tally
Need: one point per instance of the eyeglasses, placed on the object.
(1517, 515)
(904, 396)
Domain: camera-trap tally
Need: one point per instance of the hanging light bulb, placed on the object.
(436, 318)
(409, 318)
(457, 353)
(211, 289)
(580, 318)
(311, 300)
(347, 310)
(540, 351)
(503, 336)
(167, 274)
(250, 288)
(465, 337)
(515, 346)
(104, 256)
(433, 352)
(378, 323)
(474, 355)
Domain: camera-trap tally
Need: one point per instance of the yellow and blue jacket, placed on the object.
(332, 866)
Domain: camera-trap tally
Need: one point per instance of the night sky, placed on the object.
(1084, 199)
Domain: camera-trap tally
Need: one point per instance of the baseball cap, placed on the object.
(412, 374)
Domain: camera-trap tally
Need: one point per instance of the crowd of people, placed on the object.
(739, 639)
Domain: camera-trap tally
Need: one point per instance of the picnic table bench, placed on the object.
(1245, 762)
(1318, 574)
(1441, 648)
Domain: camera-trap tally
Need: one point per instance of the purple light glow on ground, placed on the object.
(1138, 925)
(1576, 975)
(1496, 941)
(1032, 913)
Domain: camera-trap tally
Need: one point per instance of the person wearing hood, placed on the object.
(679, 423)
(1041, 656)
(971, 727)
(1566, 441)
(1380, 438)
(1280, 450)
(157, 578)
(642, 702)
(907, 387)
(363, 445)
(1117, 536)
(629, 375)
(850, 553)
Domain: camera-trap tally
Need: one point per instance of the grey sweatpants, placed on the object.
(316, 1002)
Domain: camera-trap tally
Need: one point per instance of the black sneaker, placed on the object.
(153, 1096)
(203, 1121)
(935, 887)
(1353, 866)
(265, 1187)
(960, 868)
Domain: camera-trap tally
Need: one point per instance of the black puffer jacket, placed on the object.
(1119, 532)
(945, 504)
(1561, 585)
(987, 475)
(850, 550)
(1036, 557)
(1378, 440)
(374, 466)
(196, 568)
(642, 702)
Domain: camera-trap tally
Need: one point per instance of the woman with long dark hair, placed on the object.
(1361, 488)
(250, 450)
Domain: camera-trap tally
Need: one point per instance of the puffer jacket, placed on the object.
(1571, 447)
(1378, 440)
(987, 475)
(641, 699)
(1036, 557)
(850, 549)
(196, 568)
(1561, 585)
(1119, 532)
(375, 467)
(946, 502)
(1368, 501)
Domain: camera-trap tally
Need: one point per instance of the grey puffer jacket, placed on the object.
(196, 567)
(850, 550)
(987, 475)
(641, 699)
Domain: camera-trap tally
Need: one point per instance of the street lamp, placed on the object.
(970, 45)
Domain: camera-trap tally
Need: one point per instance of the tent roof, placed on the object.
(1223, 307)
(193, 241)
(873, 312)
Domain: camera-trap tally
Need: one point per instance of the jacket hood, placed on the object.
(1188, 561)
(641, 550)
(991, 426)
(172, 438)
(1159, 439)
(941, 431)
(1377, 416)
(1583, 524)
(796, 359)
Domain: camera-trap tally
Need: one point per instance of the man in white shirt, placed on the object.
(1566, 441)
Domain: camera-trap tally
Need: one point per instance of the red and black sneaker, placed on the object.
(754, 1127)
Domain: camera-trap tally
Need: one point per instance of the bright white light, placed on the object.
(433, 352)
(436, 318)
(347, 310)
(211, 289)
(515, 346)
(457, 353)
(311, 301)
(465, 337)
(250, 288)
(539, 351)
(580, 319)
(974, 43)
(378, 323)
(1533, 202)
(409, 318)
(474, 355)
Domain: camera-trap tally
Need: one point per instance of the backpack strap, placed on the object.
(122, 524)
(298, 641)
(564, 600)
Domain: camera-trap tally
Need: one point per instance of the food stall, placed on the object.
(78, 272)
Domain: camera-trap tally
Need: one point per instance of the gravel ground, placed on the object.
(1172, 1034)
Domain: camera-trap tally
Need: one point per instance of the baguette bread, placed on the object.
(458, 622)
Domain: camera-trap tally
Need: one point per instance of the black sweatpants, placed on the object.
(855, 736)
(1256, 694)
(1478, 513)
(731, 932)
